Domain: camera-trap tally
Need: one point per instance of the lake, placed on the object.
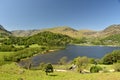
(71, 52)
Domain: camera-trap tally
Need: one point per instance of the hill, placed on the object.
(110, 30)
(45, 38)
(49, 39)
(62, 30)
(111, 40)
(65, 30)
(3, 32)
(24, 33)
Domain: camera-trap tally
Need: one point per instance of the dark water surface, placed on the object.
(71, 52)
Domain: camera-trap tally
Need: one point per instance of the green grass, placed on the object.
(65, 67)
(107, 67)
(34, 45)
(13, 72)
(19, 46)
(2, 54)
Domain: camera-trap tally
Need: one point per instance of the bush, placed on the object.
(81, 63)
(95, 69)
(48, 68)
(112, 57)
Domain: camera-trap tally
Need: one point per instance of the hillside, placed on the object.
(62, 30)
(24, 33)
(4, 32)
(66, 31)
(110, 30)
(50, 39)
(111, 40)
(43, 38)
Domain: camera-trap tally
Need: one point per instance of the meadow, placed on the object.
(13, 71)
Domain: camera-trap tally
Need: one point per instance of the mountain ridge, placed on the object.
(61, 29)
(110, 30)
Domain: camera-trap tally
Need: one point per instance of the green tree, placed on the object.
(111, 58)
(81, 63)
(107, 59)
(48, 68)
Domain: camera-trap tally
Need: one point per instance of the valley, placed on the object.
(86, 45)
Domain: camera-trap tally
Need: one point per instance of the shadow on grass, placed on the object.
(53, 75)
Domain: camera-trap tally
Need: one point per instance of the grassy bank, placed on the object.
(14, 72)
(97, 45)
(28, 52)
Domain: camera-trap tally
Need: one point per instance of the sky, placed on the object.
(77, 14)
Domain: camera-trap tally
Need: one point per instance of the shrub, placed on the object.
(95, 69)
(112, 57)
(48, 68)
(81, 63)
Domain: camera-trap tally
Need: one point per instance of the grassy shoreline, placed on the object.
(26, 53)
(14, 72)
(97, 45)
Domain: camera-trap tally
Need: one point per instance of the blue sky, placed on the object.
(78, 14)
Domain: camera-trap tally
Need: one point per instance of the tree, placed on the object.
(81, 63)
(111, 57)
(107, 59)
(48, 68)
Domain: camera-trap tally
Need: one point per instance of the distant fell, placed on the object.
(62, 30)
(113, 29)
(24, 33)
(4, 32)
(110, 30)
(65, 30)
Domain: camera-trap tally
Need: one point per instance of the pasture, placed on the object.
(14, 72)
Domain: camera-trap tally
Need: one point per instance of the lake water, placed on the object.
(71, 52)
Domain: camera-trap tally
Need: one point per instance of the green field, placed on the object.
(14, 72)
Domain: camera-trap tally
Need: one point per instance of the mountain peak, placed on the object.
(62, 28)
